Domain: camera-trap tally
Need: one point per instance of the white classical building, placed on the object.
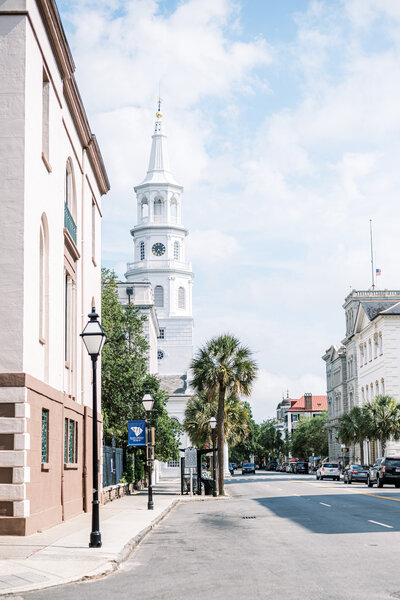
(159, 240)
(366, 364)
(51, 181)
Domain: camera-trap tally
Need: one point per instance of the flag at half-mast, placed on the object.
(378, 272)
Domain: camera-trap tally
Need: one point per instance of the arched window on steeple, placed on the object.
(159, 296)
(181, 298)
(142, 251)
(174, 210)
(176, 251)
(158, 210)
(144, 213)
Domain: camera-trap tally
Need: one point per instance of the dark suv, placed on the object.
(385, 470)
(301, 467)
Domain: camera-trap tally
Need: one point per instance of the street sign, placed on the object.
(190, 458)
(136, 433)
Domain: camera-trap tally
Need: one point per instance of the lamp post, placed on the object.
(94, 337)
(148, 402)
(213, 423)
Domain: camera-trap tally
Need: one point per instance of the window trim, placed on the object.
(45, 411)
(71, 463)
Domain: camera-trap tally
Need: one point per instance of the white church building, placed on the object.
(159, 240)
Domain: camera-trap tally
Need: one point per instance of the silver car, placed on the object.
(328, 471)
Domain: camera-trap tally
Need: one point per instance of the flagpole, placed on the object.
(372, 256)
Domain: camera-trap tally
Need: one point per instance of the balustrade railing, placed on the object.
(69, 223)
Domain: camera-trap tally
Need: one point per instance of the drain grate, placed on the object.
(248, 517)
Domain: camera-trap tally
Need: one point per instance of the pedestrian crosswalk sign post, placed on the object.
(190, 458)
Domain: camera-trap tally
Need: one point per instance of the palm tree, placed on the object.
(199, 411)
(384, 415)
(354, 427)
(223, 365)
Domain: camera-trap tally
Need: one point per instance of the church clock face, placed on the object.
(158, 249)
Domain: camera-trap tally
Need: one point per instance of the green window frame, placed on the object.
(71, 441)
(45, 435)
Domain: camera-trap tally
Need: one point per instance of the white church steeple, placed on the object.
(160, 256)
(159, 169)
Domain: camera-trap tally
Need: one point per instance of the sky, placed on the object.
(283, 126)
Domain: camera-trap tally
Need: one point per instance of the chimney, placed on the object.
(308, 401)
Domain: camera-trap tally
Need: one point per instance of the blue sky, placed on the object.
(283, 126)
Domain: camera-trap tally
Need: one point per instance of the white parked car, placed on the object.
(328, 471)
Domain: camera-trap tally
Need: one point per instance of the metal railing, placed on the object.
(69, 223)
(160, 263)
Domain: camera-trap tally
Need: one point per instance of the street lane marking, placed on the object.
(329, 487)
(323, 504)
(382, 524)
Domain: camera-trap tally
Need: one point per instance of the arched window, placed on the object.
(142, 251)
(174, 210)
(159, 296)
(176, 251)
(181, 297)
(144, 213)
(157, 209)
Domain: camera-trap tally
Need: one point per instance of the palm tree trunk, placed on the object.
(221, 439)
(383, 447)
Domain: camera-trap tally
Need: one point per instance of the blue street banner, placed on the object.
(136, 433)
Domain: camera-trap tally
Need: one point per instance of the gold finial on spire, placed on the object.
(158, 113)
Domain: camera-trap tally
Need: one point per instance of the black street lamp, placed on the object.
(213, 423)
(94, 337)
(148, 402)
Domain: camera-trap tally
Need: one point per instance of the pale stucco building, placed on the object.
(361, 367)
(52, 178)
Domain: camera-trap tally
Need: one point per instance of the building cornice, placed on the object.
(158, 227)
(62, 53)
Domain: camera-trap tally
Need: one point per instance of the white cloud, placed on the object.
(278, 206)
(271, 387)
(211, 247)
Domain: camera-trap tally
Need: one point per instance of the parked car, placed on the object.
(272, 466)
(284, 466)
(231, 469)
(235, 466)
(301, 467)
(355, 473)
(328, 471)
(386, 470)
(248, 468)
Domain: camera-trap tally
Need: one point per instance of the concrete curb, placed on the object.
(104, 570)
(112, 565)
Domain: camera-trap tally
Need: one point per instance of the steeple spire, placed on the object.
(159, 169)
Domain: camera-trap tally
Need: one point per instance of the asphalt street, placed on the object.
(279, 536)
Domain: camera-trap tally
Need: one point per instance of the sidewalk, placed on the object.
(61, 554)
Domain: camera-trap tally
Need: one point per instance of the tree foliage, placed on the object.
(383, 415)
(250, 445)
(223, 366)
(199, 410)
(354, 427)
(125, 376)
(310, 437)
(270, 439)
